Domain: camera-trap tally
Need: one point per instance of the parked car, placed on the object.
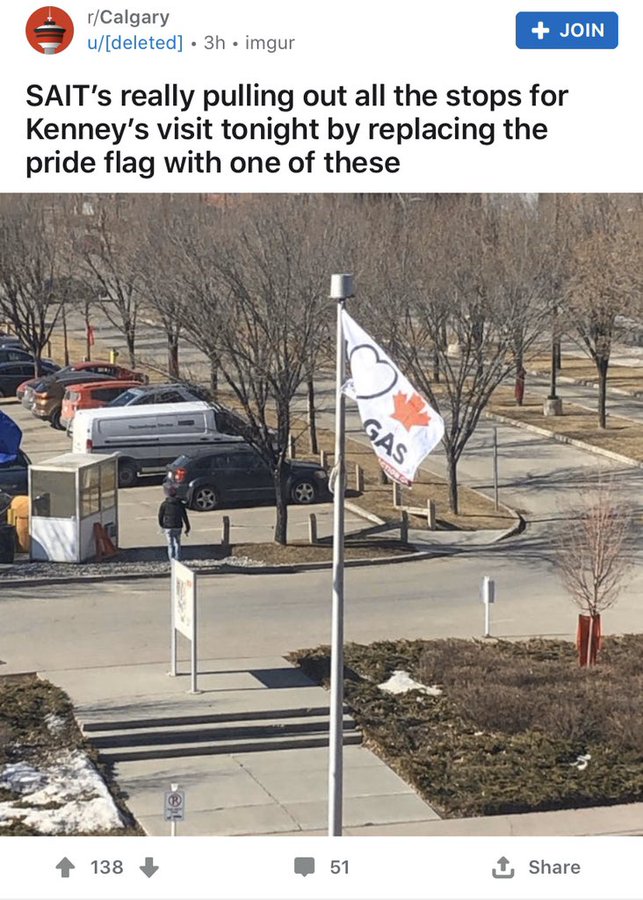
(90, 395)
(238, 473)
(160, 393)
(10, 340)
(14, 475)
(12, 374)
(10, 353)
(94, 367)
(148, 438)
(48, 394)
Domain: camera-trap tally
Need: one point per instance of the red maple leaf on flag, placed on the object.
(410, 410)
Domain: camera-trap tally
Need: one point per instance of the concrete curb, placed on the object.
(563, 439)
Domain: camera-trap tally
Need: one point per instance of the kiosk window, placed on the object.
(53, 494)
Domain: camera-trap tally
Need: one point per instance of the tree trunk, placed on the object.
(131, 350)
(281, 519)
(312, 421)
(452, 473)
(214, 377)
(436, 366)
(601, 367)
(173, 354)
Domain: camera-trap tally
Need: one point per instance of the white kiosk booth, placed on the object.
(68, 496)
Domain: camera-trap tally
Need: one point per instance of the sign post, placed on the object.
(488, 596)
(184, 617)
(174, 810)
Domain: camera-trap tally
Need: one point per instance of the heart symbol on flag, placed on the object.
(370, 373)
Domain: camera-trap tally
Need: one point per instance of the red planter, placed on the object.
(588, 639)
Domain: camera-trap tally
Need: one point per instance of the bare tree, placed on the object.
(460, 293)
(603, 275)
(110, 255)
(166, 267)
(33, 283)
(592, 549)
(260, 313)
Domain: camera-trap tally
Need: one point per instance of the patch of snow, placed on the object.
(243, 562)
(70, 780)
(55, 724)
(401, 682)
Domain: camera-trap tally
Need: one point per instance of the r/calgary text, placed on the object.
(127, 17)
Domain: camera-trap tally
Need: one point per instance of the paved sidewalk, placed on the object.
(265, 792)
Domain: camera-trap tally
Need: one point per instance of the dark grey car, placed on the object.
(238, 474)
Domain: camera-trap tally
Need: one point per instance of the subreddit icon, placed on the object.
(49, 30)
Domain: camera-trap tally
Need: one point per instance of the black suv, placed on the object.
(237, 473)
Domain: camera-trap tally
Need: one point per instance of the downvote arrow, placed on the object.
(149, 868)
(65, 865)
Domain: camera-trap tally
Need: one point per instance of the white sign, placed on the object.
(184, 615)
(183, 598)
(174, 806)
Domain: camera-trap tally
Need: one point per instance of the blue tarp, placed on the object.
(10, 437)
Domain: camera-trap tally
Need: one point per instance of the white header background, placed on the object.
(594, 141)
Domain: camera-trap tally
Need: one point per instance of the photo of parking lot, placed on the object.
(168, 391)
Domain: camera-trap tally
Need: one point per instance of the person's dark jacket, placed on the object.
(173, 514)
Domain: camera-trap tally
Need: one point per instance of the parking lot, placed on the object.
(138, 506)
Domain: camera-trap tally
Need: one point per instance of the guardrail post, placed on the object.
(312, 528)
(430, 515)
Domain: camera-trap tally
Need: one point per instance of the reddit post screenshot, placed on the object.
(321, 451)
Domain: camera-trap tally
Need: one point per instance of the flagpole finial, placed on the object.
(341, 287)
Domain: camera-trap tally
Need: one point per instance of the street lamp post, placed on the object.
(341, 288)
(553, 405)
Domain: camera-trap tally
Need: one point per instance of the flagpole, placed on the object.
(341, 288)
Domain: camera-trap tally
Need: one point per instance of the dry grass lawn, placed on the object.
(621, 435)
(626, 378)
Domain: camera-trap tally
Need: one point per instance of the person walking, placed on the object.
(172, 517)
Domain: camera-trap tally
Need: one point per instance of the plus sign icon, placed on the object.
(567, 30)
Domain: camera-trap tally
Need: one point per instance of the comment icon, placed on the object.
(304, 865)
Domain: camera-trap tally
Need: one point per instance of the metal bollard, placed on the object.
(397, 494)
(404, 527)
(323, 459)
(225, 531)
(291, 447)
(359, 478)
(430, 515)
(312, 528)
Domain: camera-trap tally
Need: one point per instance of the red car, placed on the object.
(94, 366)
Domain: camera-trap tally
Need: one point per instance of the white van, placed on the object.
(148, 438)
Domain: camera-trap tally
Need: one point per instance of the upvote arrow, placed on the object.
(65, 865)
(149, 868)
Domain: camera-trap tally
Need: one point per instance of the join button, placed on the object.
(567, 30)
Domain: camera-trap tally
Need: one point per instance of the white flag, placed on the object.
(400, 424)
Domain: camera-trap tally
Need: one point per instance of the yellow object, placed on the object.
(113, 355)
(18, 515)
